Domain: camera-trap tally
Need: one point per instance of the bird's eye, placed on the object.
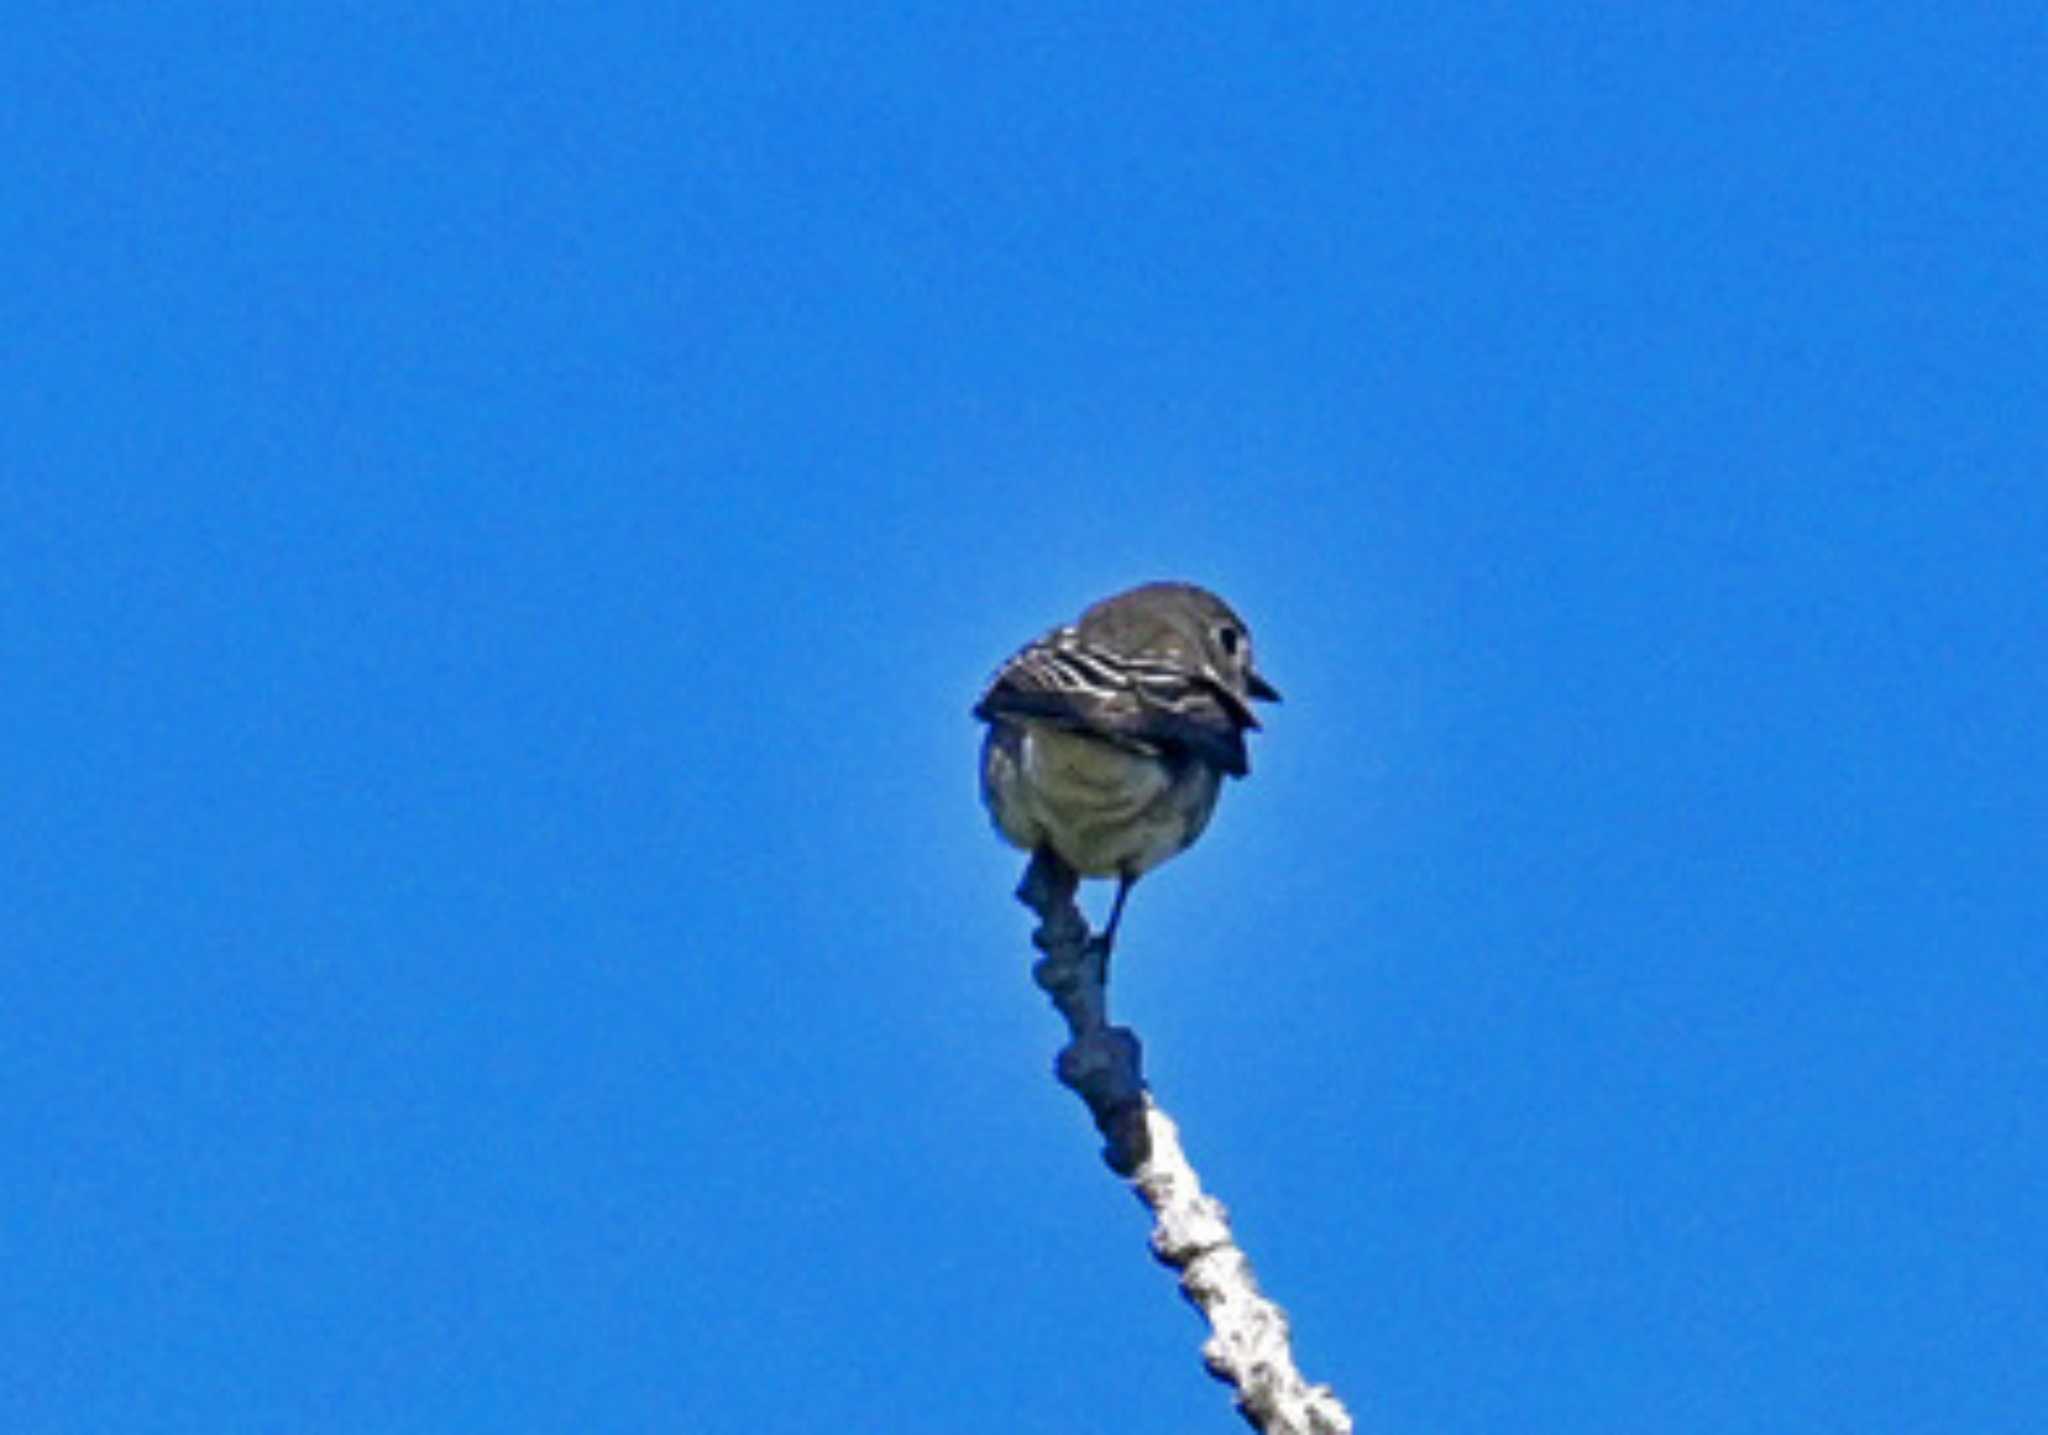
(1227, 638)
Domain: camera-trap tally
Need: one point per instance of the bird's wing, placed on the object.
(1144, 704)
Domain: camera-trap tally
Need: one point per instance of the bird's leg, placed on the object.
(1105, 941)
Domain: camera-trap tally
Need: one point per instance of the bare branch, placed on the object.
(1248, 1346)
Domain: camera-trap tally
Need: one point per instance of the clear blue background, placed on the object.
(504, 510)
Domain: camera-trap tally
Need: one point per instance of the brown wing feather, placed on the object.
(1146, 705)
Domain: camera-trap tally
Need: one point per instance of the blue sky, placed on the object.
(505, 512)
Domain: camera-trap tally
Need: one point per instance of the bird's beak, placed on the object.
(1259, 688)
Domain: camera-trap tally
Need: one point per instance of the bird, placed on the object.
(1109, 738)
